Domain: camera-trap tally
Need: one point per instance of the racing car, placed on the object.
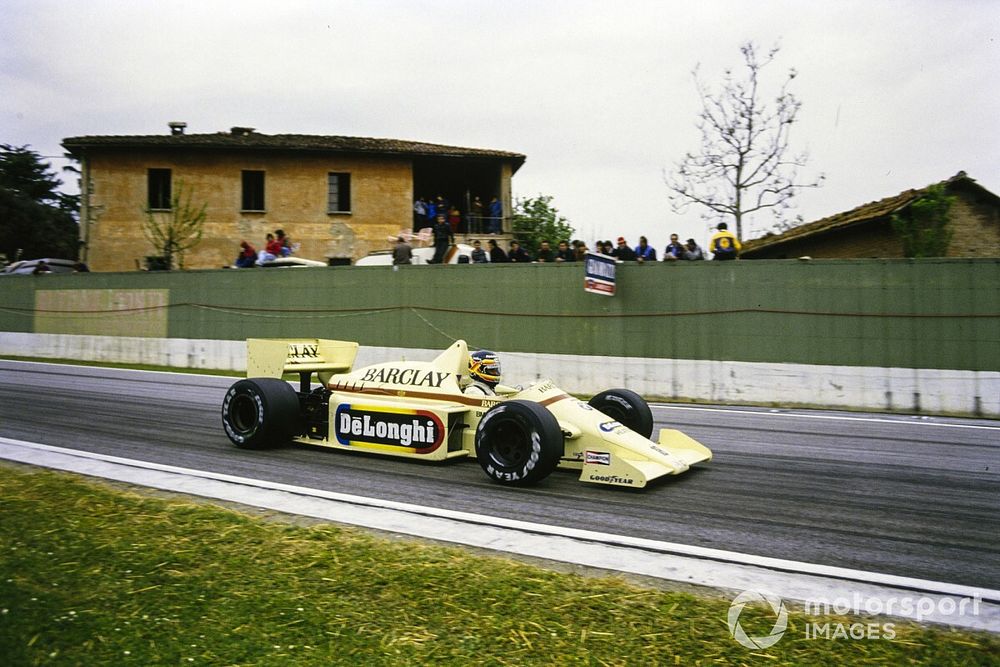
(418, 409)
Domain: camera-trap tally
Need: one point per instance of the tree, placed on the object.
(923, 226)
(176, 231)
(36, 220)
(743, 165)
(536, 220)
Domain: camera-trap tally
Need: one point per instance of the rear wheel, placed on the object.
(626, 407)
(518, 443)
(260, 413)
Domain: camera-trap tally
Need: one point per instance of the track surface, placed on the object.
(916, 497)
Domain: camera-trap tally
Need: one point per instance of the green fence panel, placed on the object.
(891, 313)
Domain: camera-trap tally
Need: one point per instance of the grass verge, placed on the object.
(93, 575)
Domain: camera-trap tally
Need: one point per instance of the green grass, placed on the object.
(91, 574)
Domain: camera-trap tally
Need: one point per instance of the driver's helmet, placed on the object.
(484, 366)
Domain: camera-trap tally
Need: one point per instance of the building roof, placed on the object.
(245, 138)
(870, 212)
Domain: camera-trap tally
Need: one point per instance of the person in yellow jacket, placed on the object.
(724, 244)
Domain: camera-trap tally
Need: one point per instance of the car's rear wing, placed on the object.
(267, 357)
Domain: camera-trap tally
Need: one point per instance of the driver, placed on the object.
(484, 371)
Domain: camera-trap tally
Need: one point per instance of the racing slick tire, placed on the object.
(260, 412)
(627, 408)
(518, 443)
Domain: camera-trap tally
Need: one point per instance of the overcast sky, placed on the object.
(598, 95)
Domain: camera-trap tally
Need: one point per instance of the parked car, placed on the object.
(27, 267)
(420, 256)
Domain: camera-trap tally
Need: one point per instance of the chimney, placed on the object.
(177, 127)
(242, 131)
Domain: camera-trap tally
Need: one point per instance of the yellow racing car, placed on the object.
(418, 409)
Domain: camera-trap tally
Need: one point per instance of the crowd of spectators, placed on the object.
(481, 218)
(723, 246)
(276, 245)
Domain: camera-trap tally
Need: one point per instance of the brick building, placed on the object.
(866, 231)
(338, 197)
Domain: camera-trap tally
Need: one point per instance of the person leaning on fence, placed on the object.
(497, 255)
(564, 253)
(645, 252)
(674, 249)
(518, 255)
(724, 244)
(692, 252)
(623, 253)
(545, 253)
(478, 254)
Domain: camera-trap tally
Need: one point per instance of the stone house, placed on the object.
(337, 197)
(866, 231)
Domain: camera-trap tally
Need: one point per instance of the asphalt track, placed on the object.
(914, 497)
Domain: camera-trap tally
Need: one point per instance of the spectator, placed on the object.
(443, 238)
(545, 253)
(645, 252)
(518, 254)
(454, 218)
(430, 212)
(564, 254)
(271, 251)
(724, 244)
(419, 214)
(247, 256)
(402, 253)
(497, 255)
(496, 216)
(674, 250)
(581, 250)
(478, 254)
(286, 243)
(81, 267)
(623, 253)
(41, 267)
(692, 252)
(603, 248)
(476, 215)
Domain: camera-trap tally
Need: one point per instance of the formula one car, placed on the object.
(418, 410)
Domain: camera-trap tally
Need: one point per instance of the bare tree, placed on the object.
(743, 165)
(176, 231)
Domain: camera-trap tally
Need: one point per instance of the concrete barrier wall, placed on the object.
(895, 389)
(897, 334)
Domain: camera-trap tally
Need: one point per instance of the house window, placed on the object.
(338, 193)
(253, 191)
(158, 189)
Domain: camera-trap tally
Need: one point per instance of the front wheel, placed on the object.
(627, 408)
(260, 413)
(518, 443)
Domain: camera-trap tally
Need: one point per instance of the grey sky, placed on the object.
(598, 95)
